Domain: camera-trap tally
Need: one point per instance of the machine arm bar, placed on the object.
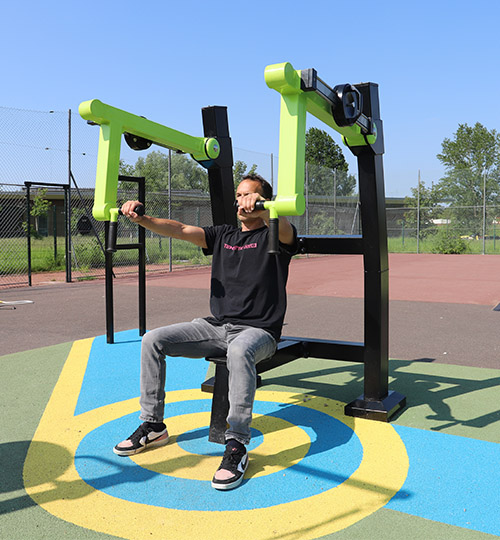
(345, 101)
(340, 108)
(303, 92)
(114, 122)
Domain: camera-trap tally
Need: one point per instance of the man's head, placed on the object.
(265, 188)
(251, 188)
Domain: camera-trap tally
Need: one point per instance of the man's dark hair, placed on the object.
(266, 188)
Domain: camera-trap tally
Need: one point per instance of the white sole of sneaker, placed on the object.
(232, 485)
(160, 441)
(227, 487)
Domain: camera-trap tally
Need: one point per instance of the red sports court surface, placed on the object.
(460, 279)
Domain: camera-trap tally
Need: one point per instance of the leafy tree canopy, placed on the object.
(471, 158)
(427, 197)
(322, 150)
(186, 174)
(39, 207)
(327, 167)
(240, 169)
(428, 200)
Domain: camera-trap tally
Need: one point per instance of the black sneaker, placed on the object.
(232, 469)
(144, 436)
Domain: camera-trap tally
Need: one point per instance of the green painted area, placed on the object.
(390, 525)
(458, 400)
(28, 379)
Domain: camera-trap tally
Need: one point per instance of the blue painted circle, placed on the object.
(334, 454)
(195, 442)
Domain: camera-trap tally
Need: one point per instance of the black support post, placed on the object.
(67, 232)
(377, 402)
(220, 404)
(142, 265)
(220, 172)
(110, 316)
(141, 247)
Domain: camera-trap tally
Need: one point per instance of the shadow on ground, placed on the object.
(438, 396)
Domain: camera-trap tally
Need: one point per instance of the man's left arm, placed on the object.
(286, 232)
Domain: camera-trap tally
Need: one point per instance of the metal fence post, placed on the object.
(54, 230)
(484, 213)
(28, 228)
(68, 206)
(418, 214)
(334, 201)
(170, 207)
(67, 232)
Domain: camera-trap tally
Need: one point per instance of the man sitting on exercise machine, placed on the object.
(248, 303)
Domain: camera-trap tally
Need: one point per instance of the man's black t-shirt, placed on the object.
(248, 284)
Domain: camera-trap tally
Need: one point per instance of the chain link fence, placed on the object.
(162, 253)
(444, 228)
(84, 239)
(13, 257)
(56, 154)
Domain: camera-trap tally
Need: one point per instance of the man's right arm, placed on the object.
(166, 227)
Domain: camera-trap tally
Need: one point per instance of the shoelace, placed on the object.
(231, 458)
(140, 432)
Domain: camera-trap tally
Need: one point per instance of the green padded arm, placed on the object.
(114, 122)
(295, 103)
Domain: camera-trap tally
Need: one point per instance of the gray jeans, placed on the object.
(243, 346)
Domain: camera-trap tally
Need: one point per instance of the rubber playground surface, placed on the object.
(432, 472)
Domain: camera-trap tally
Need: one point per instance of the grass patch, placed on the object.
(87, 254)
(428, 245)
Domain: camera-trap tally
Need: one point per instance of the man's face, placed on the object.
(247, 187)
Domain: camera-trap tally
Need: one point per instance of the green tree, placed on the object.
(126, 169)
(472, 160)
(39, 208)
(240, 168)
(186, 174)
(322, 150)
(323, 224)
(327, 167)
(447, 242)
(428, 200)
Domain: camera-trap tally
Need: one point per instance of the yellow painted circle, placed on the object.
(57, 487)
(172, 460)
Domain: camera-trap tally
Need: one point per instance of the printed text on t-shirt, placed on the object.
(239, 248)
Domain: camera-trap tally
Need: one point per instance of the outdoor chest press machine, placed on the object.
(353, 111)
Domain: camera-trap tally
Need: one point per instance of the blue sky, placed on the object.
(436, 63)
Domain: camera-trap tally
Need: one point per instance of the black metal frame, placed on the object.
(141, 247)
(377, 402)
(67, 231)
(220, 172)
